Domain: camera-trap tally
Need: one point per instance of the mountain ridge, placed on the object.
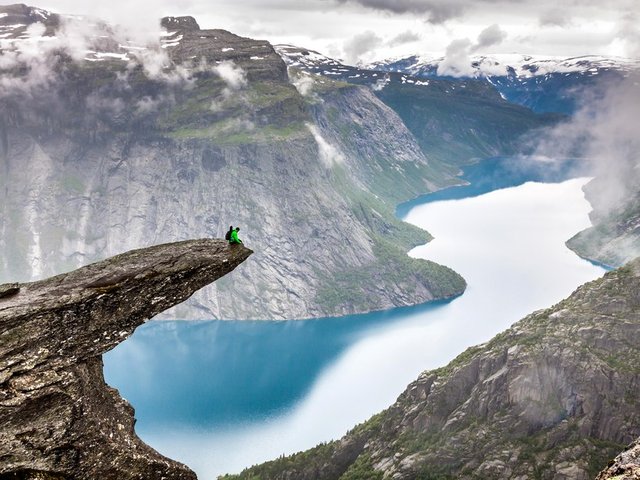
(542, 83)
(456, 121)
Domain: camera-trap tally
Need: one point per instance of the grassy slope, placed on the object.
(392, 239)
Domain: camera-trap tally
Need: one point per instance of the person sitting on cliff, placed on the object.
(234, 236)
(228, 234)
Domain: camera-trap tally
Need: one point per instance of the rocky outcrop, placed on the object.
(553, 397)
(57, 415)
(189, 42)
(625, 466)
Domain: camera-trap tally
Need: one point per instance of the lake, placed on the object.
(223, 395)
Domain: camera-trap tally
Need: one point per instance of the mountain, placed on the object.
(554, 396)
(111, 139)
(60, 420)
(456, 121)
(542, 83)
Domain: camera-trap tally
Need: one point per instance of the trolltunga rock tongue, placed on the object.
(57, 415)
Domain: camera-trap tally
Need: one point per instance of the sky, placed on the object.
(360, 31)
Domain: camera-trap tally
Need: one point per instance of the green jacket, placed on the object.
(234, 237)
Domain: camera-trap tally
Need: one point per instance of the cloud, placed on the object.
(361, 46)
(554, 18)
(30, 67)
(606, 133)
(629, 34)
(457, 59)
(403, 38)
(234, 76)
(148, 104)
(105, 105)
(235, 79)
(492, 35)
(304, 83)
(437, 11)
(381, 83)
(31, 63)
(154, 62)
(328, 154)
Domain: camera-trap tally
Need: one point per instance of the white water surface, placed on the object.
(507, 244)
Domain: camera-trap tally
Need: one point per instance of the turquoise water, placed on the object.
(217, 373)
(220, 396)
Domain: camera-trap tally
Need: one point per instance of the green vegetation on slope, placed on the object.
(456, 124)
(261, 112)
(350, 289)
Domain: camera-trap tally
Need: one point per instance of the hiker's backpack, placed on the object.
(228, 235)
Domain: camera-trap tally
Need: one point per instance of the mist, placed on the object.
(31, 63)
(605, 133)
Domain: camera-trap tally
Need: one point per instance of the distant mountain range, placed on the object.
(455, 120)
(521, 66)
(542, 83)
(545, 84)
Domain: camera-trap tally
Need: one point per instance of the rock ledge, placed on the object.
(59, 419)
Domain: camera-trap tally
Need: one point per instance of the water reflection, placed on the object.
(216, 373)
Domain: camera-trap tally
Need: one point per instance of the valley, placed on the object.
(307, 382)
(401, 218)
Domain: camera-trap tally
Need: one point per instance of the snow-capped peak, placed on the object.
(522, 66)
(304, 58)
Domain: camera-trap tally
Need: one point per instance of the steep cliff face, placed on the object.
(58, 416)
(555, 396)
(123, 148)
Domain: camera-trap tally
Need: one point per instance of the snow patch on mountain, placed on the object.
(521, 66)
(303, 58)
(93, 41)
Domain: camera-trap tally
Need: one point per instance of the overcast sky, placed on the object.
(366, 30)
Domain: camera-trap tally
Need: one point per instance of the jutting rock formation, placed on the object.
(58, 418)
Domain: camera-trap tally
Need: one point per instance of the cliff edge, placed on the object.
(59, 419)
